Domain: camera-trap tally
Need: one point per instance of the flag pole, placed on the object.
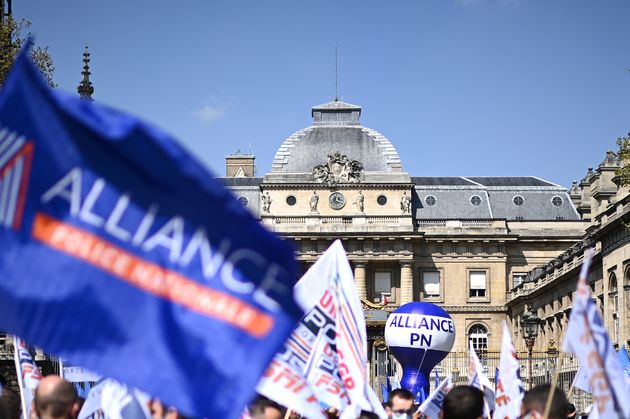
(554, 383)
(288, 414)
(18, 370)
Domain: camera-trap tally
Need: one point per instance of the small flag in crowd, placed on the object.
(28, 374)
(586, 337)
(332, 330)
(477, 378)
(385, 392)
(509, 393)
(421, 396)
(433, 404)
(624, 360)
(136, 245)
(396, 382)
(437, 379)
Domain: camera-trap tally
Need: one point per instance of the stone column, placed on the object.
(406, 283)
(359, 278)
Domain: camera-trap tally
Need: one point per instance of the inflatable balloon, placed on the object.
(419, 335)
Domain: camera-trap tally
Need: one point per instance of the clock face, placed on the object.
(336, 200)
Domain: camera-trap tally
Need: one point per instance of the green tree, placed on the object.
(624, 159)
(13, 35)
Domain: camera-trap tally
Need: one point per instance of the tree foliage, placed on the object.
(624, 159)
(13, 35)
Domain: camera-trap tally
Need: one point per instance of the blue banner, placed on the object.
(122, 254)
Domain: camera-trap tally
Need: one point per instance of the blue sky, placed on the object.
(461, 87)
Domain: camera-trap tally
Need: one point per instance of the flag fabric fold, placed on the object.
(148, 270)
(326, 355)
(509, 388)
(432, 406)
(587, 338)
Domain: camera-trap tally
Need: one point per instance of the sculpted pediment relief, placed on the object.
(338, 169)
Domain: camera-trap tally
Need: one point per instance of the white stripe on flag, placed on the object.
(3, 135)
(4, 197)
(12, 150)
(7, 143)
(13, 195)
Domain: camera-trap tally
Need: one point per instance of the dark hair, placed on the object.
(402, 393)
(463, 402)
(260, 403)
(367, 415)
(58, 402)
(12, 404)
(536, 399)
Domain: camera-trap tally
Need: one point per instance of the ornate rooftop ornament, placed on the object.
(575, 189)
(338, 169)
(85, 88)
(611, 160)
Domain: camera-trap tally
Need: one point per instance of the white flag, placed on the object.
(113, 400)
(587, 338)
(28, 375)
(581, 381)
(325, 357)
(432, 406)
(509, 396)
(477, 378)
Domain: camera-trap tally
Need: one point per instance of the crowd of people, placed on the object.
(56, 398)
(462, 402)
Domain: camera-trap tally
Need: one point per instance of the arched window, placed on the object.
(613, 300)
(478, 335)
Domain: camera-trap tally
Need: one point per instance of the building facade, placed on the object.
(461, 242)
(548, 290)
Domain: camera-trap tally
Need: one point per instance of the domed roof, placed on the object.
(336, 129)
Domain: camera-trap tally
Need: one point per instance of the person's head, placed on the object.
(367, 415)
(402, 402)
(55, 398)
(263, 408)
(571, 412)
(463, 402)
(12, 404)
(535, 400)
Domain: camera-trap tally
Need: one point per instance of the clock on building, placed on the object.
(336, 200)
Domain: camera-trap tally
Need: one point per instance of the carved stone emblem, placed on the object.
(338, 169)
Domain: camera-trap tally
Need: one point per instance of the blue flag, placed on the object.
(624, 359)
(437, 379)
(421, 396)
(122, 254)
(385, 392)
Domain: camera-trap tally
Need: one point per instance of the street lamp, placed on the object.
(529, 326)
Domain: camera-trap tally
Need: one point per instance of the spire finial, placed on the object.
(85, 88)
(336, 77)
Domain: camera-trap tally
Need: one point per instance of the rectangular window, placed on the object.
(518, 279)
(477, 284)
(382, 285)
(431, 282)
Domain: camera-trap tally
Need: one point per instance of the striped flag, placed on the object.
(28, 375)
(325, 357)
(16, 155)
(587, 338)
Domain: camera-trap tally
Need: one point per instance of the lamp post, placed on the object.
(529, 327)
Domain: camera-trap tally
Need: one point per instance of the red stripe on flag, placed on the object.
(150, 277)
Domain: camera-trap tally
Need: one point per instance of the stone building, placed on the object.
(548, 289)
(460, 242)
